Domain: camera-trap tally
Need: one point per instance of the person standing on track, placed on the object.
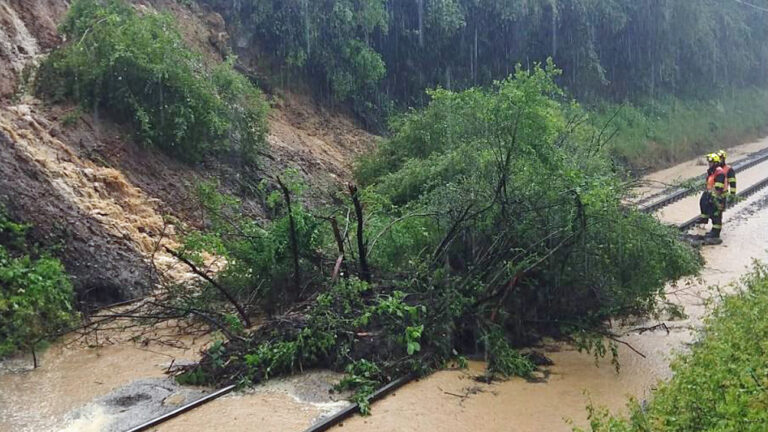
(712, 202)
(716, 188)
(730, 175)
(705, 200)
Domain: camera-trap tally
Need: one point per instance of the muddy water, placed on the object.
(660, 180)
(291, 404)
(517, 405)
(71, 374)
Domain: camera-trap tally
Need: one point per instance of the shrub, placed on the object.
(35, 293)
(137, 68)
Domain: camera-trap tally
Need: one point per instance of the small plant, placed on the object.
(363, 377)
(503, 360)
(72, 117)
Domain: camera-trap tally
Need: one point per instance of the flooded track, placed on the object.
(62, 394)
(688, 207)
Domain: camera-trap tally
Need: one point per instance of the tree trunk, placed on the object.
(365, 272)
(294, 241)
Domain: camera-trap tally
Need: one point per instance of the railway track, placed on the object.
(676, 194)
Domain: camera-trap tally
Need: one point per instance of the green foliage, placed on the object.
(138, 68)
(609, 49)
(489, 215)
(503, 360)
(35, 293)
(721, 384)
(258, 255)
(363, 377)
(520, 173)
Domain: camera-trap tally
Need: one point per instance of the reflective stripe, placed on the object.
(716, 226)
(718, 184)
(704, 215)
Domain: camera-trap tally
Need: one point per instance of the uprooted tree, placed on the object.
(489, 218)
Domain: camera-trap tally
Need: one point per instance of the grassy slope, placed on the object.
(659, 133)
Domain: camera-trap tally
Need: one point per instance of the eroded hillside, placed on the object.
(87, 185)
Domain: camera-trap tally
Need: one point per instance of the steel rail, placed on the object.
(347, 412)
(323, 425)
(181, 410)
(681, 193)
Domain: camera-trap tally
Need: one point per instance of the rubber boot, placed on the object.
(715, 233)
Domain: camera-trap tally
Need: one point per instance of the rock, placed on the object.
(176, 399)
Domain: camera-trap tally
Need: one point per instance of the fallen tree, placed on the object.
(491, 217)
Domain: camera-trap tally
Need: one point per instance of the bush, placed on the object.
(489, 214)
(35, 293)
(519, 188)
(137, 68)
(721, 384)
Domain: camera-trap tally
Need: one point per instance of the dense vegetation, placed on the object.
(138, 69)
(489, 217)
(35, 293)
(721, 384)
(609, 49)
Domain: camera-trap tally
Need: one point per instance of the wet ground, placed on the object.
(84, 388)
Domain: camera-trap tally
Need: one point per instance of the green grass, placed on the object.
(662, 132)
(722, 384)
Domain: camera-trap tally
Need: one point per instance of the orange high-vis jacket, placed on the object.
(716, 181)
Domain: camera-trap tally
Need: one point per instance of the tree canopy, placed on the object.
(377, 50)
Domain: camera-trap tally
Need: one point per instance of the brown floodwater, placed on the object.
(72, 375)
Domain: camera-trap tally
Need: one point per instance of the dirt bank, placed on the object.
(84, 183)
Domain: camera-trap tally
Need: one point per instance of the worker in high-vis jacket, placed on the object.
(730, 175)
(716, 194)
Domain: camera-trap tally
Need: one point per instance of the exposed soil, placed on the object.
(83, 181)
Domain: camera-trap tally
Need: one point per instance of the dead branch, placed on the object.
(293, 237)
(216, 285)
(365, 272)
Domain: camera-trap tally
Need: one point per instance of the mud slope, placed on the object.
(89, 186)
